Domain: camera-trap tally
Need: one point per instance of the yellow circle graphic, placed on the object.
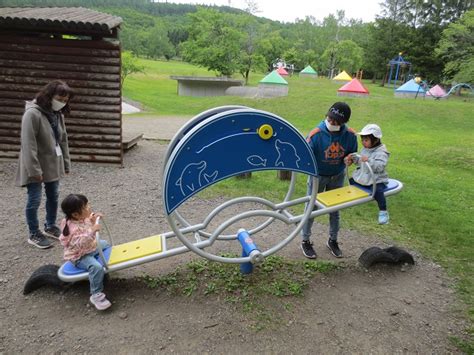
(265, 131)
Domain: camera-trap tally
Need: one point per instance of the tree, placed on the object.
(250, 58)
(301, 58)
(292, 55)
(251, 7)
(129, 65)
(176, 35)
(417, 13)
(423, 42)
(271, 45)
(422, 22)
(456, 48)
(158, 43)
(225, 43)
(395, 10)
(345, 55)
(213, 42)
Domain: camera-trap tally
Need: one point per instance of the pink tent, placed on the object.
(282, 71)
(436, 92)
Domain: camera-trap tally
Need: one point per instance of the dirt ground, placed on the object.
(386, 310)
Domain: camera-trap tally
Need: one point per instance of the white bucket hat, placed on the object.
(371, 129)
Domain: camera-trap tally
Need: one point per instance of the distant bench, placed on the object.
(204, 86)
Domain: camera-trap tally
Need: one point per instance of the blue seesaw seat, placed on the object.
(70, 270)
(392, 185)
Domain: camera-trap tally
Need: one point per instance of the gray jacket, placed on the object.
(378, 159)
(38, 156)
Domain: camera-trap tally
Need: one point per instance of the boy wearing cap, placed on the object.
(376, 155)
(331, 141)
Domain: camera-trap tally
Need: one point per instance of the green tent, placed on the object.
(273, 79)
(309, 70)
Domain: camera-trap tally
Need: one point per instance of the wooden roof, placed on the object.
(63, 20)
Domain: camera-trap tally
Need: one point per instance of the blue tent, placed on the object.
(410, 89)
(411, 86)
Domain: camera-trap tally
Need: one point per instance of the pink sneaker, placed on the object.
(100, 302)
(99, 296)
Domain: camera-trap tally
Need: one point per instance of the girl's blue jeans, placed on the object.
(379, 195)
(326, 183)
(94, 267)
(34, 191)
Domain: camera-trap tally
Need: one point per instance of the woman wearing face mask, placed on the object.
(44, 157)
(331, 141)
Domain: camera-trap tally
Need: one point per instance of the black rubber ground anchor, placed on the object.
(391, 255)
(401, 256)
(46, 275)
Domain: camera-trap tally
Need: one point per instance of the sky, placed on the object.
(282, 11)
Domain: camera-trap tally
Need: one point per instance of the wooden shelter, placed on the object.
(79, 46)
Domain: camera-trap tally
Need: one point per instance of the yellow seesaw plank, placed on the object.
(135, 249)
(341, 195)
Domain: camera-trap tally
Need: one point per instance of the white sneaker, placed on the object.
(100, 302)
(383, 217)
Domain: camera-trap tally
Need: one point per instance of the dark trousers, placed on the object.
(34, 200)
(379, 196)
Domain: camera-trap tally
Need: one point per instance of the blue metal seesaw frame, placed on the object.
(218, 144)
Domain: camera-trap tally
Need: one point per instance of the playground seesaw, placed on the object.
(215, 145)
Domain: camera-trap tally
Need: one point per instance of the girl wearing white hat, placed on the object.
(376, 155)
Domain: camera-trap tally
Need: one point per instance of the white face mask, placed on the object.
(332, 128)
(57, 105)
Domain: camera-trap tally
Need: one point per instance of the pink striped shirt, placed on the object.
(80, 241)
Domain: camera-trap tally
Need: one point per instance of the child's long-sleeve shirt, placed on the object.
(329, 149)
(80, 241)
(378, 159)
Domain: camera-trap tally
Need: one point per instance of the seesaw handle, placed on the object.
(97, 240)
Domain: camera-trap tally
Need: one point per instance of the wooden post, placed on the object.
(244, 176)
(284, 174)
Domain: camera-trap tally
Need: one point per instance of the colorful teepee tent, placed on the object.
(410, 89)
(272, 85)
(274, 79)
(282, 71)
(436, 92)
(353, 88)
(308, 72)
(342, 77)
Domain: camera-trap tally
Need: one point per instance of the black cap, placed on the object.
(340, 111)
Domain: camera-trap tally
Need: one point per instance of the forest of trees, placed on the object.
(436, 36)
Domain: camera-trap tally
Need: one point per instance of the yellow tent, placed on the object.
(343, 76)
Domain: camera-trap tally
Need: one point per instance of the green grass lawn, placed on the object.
(431, 142)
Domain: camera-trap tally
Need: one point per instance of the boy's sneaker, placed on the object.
(53, 232)
(99, 301)
(334, 248)
(308, 250)
(39, 240)
(383, 217)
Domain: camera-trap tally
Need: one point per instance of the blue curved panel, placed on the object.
(195, 121)
(228, 144)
